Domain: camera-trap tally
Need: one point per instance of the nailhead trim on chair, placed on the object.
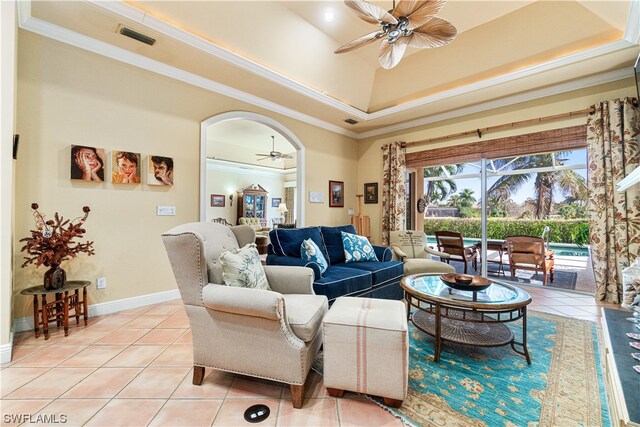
(199, 246)
(284, 325)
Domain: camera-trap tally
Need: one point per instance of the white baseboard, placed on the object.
(102, 308)
(6, 349)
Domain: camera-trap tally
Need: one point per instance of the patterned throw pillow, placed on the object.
(357, 248)
(242, 268)
(309, 251)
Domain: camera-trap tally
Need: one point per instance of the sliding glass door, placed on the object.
(539, 196)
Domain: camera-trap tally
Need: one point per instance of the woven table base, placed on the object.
(464, 332)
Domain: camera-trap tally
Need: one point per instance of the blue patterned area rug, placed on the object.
(474, 386)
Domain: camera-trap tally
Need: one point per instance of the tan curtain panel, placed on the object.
(289, 199)
(393, 189)
(614, 218)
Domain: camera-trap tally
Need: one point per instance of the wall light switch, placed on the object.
(101, 282)
(166, 210)
(350, 212)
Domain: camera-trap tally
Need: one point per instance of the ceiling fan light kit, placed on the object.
(410, 23)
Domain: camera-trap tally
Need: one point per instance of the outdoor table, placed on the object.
(498, 246)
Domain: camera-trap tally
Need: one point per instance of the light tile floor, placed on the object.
(134, 368)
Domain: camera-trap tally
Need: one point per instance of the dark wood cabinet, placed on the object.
(252, 203)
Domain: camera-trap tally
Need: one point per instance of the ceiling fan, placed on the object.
(410, 23)
(273, 154)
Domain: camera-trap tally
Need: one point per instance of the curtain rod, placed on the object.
(479, 132)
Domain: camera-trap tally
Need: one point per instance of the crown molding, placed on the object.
(632, 30)
(569, 86)
(229, 166)
(81, 41)
(130, 12)
(46, 29)
(506, 78)
(190, 39)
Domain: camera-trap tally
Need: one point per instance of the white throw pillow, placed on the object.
(309, 251)
(242, 268)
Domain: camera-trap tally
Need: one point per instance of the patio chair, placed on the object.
(450, 242)
(529, 253)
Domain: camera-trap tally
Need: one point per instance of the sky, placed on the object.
(527, 190)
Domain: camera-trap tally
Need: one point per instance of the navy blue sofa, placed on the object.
(375, 279)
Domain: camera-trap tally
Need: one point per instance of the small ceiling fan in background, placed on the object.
(410, 23)
(273, 154)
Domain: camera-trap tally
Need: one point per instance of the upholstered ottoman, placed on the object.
(366, 348)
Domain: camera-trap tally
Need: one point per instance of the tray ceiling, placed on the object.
(279, 54)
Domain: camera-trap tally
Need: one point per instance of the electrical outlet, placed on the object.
(101, 282)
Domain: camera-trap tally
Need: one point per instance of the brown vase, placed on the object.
(54, 278)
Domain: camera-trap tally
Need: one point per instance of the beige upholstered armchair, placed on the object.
(411, 248)
(267, 334)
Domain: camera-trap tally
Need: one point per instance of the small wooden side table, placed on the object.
(59, 308)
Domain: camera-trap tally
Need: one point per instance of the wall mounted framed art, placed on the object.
(160, 170)
(217, 200)
(87, 163)
(275, 202)
(125, 167)
(371, 192)
(336, 194)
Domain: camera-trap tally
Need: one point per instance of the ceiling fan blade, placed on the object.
(370, 12)
(407, 7)
(435, 33)
(262, 154)
(287, 156)
(391, 54)
(360, 41)
(418, 12)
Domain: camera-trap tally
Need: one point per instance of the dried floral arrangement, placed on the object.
(53, 241)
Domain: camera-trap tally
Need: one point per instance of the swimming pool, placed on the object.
(559, 249)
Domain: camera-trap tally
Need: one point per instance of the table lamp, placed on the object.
(282, 208)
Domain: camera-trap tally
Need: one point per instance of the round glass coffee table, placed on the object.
(461, 317)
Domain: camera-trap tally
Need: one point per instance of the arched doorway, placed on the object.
(283, 133)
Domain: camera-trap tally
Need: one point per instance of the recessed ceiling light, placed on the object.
(329, 15)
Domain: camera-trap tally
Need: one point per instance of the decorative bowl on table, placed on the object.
(465, 282)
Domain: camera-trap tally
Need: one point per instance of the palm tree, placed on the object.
(454, 200)
(568, 182)
(466, 198)
(437, 191)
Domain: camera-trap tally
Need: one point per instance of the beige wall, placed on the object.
(370, 154)
(69, 96)
(7, 127)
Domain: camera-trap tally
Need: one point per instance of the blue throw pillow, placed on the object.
(309, 251)
(357, 248)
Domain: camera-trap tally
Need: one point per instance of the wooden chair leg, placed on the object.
(394, 403)
(335, 392)
(297, 395)
(544, 277)
(513, 274)
(465, 266)
(198, 375)
(551, 274)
